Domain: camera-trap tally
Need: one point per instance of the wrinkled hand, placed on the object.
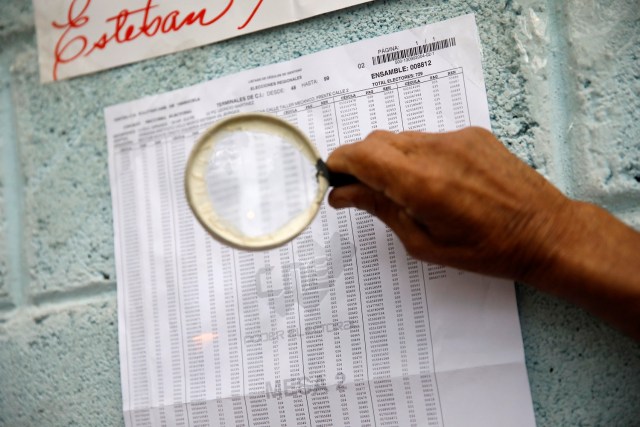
(459, 198)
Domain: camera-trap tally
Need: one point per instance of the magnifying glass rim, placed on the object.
(199, 200)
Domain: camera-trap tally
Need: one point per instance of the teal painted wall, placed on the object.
(563, 81)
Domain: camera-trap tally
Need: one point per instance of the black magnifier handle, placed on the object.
(341, 179)
(335, 179)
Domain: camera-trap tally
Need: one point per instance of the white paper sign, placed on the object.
(82, 36)
(340, 327)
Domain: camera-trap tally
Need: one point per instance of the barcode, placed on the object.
(414, 51)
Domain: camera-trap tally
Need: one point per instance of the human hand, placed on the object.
(459, 199)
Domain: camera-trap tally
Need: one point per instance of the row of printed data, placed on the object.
(432, 106)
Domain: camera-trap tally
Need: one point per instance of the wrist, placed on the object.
(592, 262)
(555, 244)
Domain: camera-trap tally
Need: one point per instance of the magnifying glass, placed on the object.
(255, 181)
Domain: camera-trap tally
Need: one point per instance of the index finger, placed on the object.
(383, 161)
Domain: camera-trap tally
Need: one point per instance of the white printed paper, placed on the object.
(340, 327)
(82, 36)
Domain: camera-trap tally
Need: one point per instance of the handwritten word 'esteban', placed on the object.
(128, 25)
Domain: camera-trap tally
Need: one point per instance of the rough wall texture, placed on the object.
(4, 279)
(562, 79)
(605, 73)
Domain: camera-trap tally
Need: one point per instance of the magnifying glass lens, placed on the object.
(255, 181)
(258, 181)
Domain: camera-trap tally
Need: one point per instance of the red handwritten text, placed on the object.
(128, 25)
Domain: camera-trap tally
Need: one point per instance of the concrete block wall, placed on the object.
(563, 81)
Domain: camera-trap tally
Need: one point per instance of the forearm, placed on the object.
(595, 263)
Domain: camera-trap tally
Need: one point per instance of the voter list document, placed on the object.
(340, 327)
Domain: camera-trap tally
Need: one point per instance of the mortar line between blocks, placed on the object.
(561, 96)
(77, 295)
(14, 187)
